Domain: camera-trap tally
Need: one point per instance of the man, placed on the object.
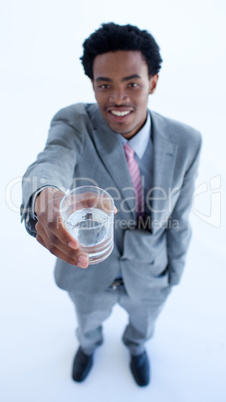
(148, 163)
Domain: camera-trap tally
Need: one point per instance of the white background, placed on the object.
(41, 42)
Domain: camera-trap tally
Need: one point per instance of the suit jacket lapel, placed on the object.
(164, 156)
(111, 152)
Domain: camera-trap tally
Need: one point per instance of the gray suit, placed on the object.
(81, 149)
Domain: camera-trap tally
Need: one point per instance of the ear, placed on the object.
(92, 82)
(153, 83)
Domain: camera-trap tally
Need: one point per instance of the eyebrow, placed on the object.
(128, 78)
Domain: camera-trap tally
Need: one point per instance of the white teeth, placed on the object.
(117, 113)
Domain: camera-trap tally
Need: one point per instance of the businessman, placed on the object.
(148, 163)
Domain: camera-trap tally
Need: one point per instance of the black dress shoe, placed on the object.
(140, 369)
(81, 365)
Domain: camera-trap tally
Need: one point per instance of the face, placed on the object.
(121, 84)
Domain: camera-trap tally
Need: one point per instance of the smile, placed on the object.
(118, 113)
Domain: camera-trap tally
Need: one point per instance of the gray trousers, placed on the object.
(93, 309)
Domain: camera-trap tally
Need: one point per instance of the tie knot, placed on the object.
(128, 151)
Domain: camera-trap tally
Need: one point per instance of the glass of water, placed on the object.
(88, 215)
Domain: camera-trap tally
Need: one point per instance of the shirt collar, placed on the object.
(140, 141)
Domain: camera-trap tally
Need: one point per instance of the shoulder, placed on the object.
(69, 124)
(175, 131)
(73, 115)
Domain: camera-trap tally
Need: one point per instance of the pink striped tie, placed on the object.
(135, 176)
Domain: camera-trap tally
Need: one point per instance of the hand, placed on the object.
(51, 233)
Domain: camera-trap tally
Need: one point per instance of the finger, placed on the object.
(40, 240)
(56, 230)
(40, 233)
(54, 245)
(77, 258)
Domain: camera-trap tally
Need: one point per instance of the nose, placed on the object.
(118, 96)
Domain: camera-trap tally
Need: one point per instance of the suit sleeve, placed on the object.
(179, 232)
(54, 165)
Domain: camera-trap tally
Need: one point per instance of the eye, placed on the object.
(133, 85)
(104, 86)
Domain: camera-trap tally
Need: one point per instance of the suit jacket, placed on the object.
(81, 149)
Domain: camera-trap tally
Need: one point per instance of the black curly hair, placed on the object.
(112, 37)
